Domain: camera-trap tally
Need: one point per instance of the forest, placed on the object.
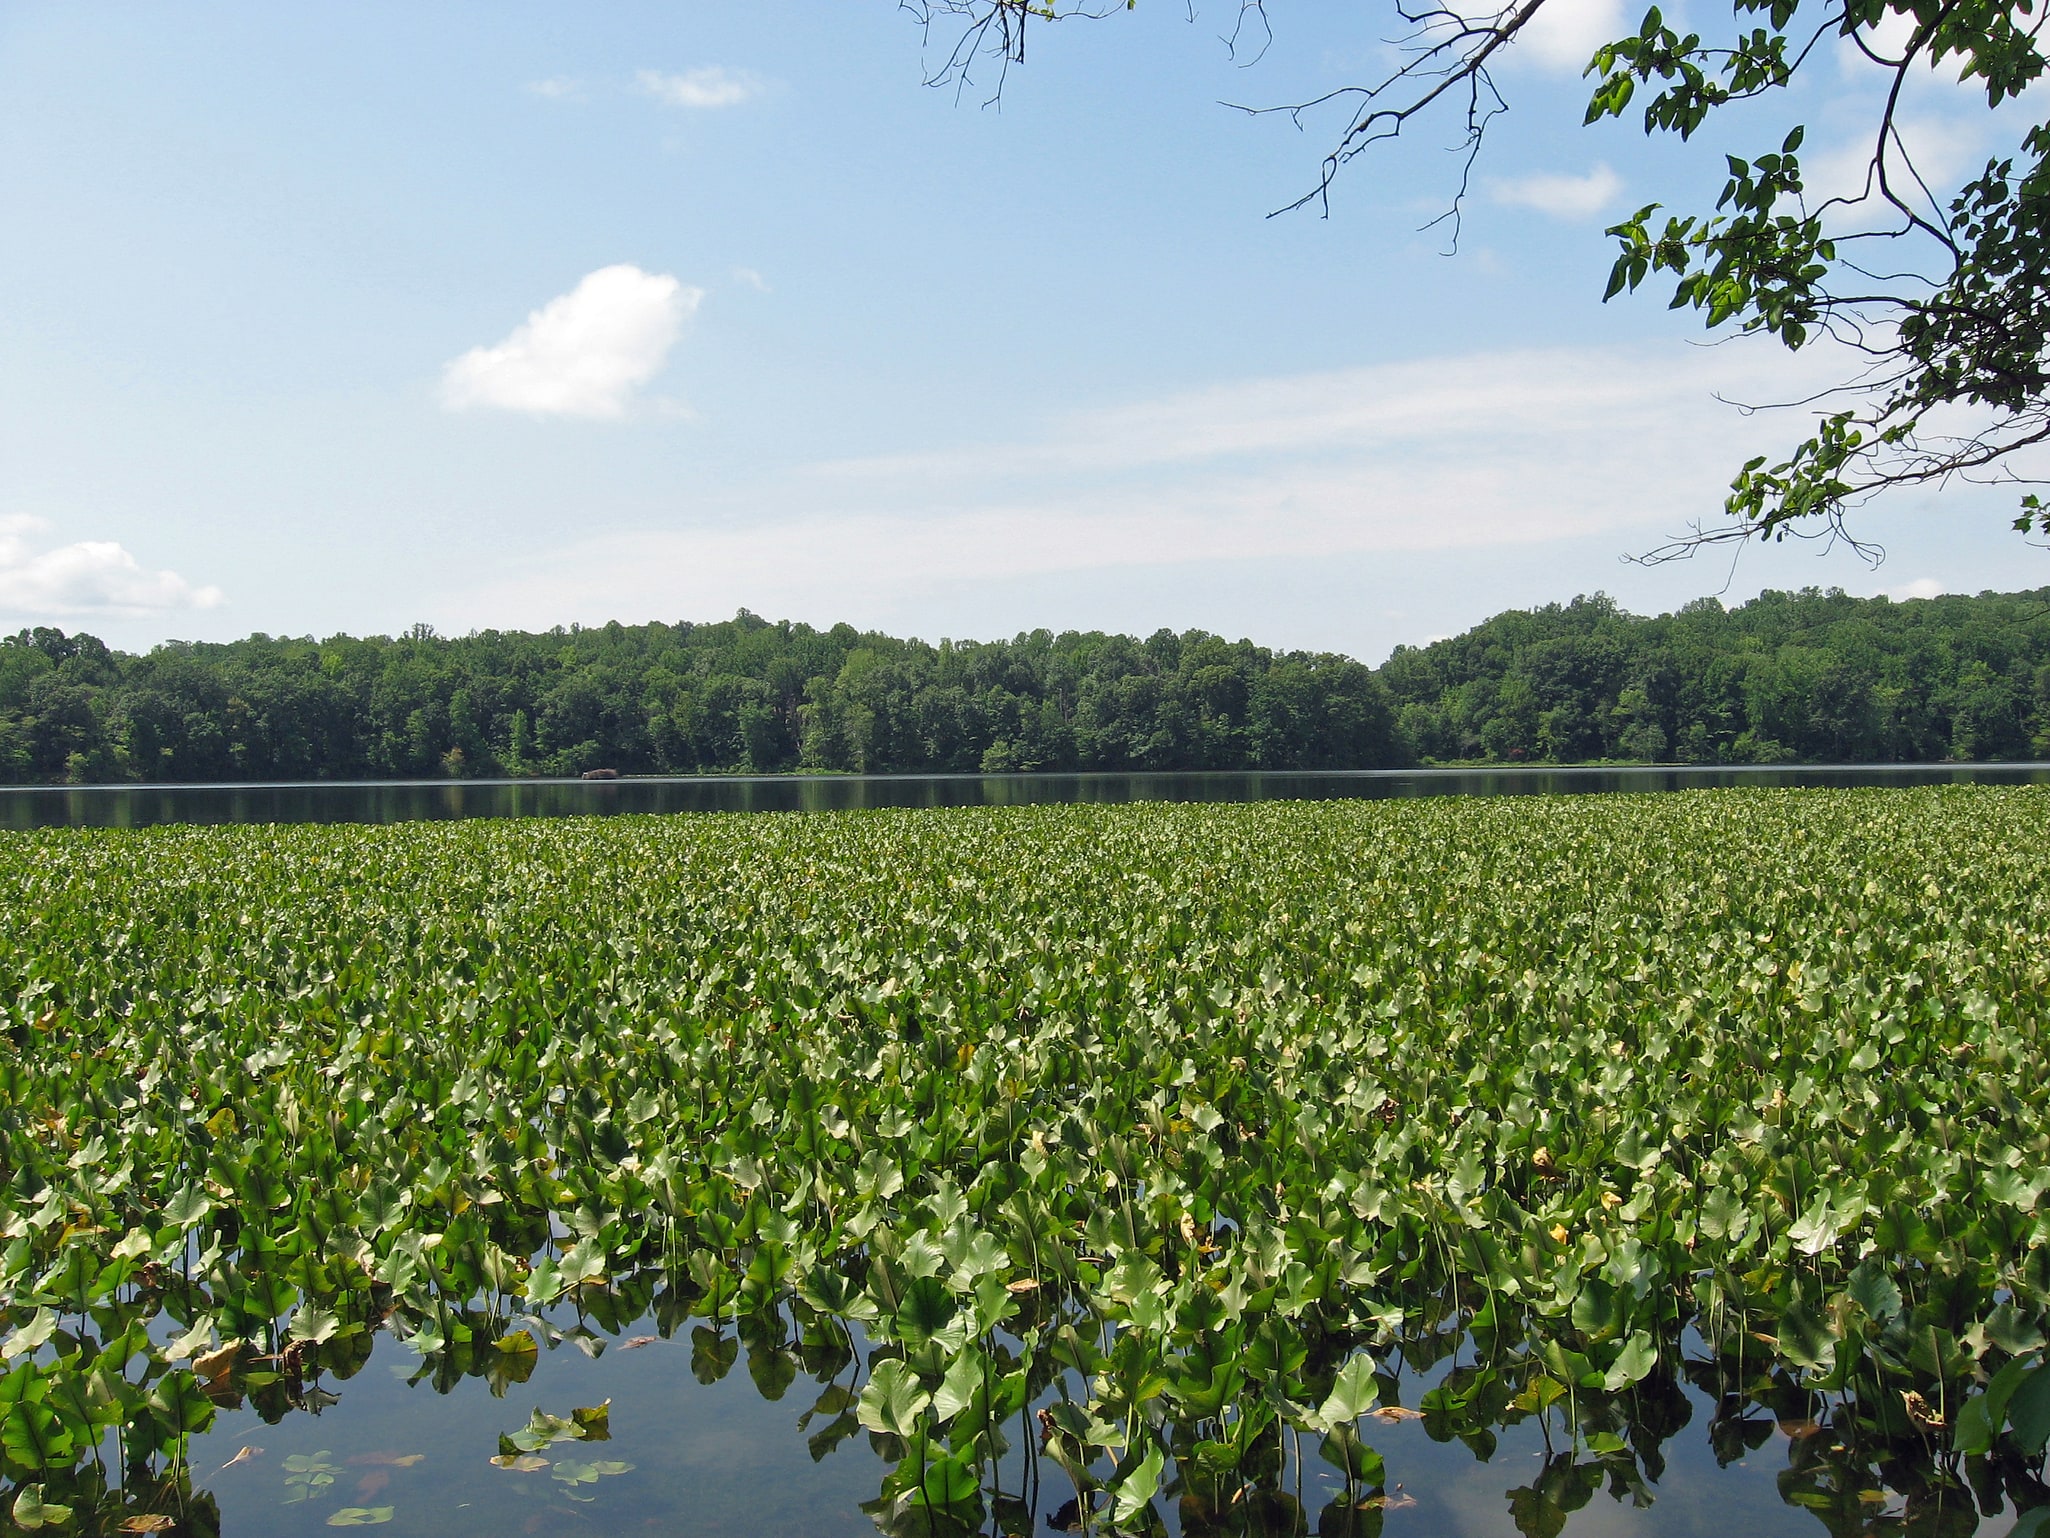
(1812, 676)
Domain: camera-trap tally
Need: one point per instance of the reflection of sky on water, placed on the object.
(719, 1461)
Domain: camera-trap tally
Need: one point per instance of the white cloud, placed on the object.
(709, 86)
(558, 88)
(582, 354)
(1565, 33)
(1561, 196)
(94, 577)
(1471, 453)
(751, 278)
(1942, 149)
(1921, 587)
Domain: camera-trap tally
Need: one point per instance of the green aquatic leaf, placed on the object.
(314, 1324)
(1343, 1450)
(893, 1400)
(188, 1207)
(927, 1310)
(1132, 1495)
(583, 1264)
(1806, 1337)
(2028, 1411)
(1633, 1363)
(1353, 1392)
(41, 1325)
(31, 1512)
(962, 1385)
(950, 1481)
(36, 1437)
(360, 1516)
(545, 1281)
(308, 1476)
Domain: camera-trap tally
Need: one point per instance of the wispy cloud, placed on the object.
(1941, 146)
(1565, 33)
(586, 353)
(751, 278)
(1921, 587)
(1441, 454)
(558, 88)
(91, 578)
(704, 88)
(1561, 196)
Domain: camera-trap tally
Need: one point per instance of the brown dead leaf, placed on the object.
(1023, 1284)
(244, 1456)
(147, 1522)
(1395, 1414)
(215, 1365)
(522, 1463)
(1921, 1412)
(639, 1341)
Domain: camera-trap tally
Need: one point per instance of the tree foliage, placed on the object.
(1935, 290)
(1813, 676)
(744, 694)
(1788, 677)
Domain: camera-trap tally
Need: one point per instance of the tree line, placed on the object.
(1812, 676)
(741, 695)
(1788, 677)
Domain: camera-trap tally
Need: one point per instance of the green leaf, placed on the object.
(360, 1516)
(35, 1437)
(583, 1264)
(42, 1324)
(893, 1399)
(1353, 1391)
(312, 1323)
(186, 1208)
(945, 1482)
(31, 1511)
(1133, 1494)
(545, 1282)
(1805, 1337)
(2028, 1411)
(928, 1308)
(1633, 1363)
(1343, 1450)
(961, 1386)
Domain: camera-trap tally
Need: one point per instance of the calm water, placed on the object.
(135, 806)
(740, 1456)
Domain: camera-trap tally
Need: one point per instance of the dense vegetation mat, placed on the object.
(1200, 1132)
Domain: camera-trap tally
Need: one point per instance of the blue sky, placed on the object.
(319, 319)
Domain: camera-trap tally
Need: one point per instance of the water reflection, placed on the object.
(721, 1425)
(135, 806)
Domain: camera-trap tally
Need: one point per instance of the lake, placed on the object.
(136, 806)
(724, 1437)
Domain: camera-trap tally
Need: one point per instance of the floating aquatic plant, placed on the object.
(1168, 1143)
